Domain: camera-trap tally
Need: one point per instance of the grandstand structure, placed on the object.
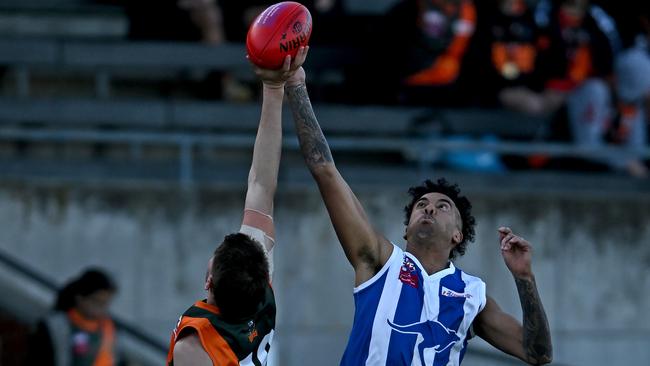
(81, 106)
(77, 104)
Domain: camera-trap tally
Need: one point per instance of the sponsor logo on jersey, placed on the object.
(450, 293)
(408, 273)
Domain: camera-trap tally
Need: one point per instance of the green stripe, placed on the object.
(236, 333)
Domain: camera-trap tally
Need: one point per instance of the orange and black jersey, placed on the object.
(503, 53)
(572, 50)
(227, 342)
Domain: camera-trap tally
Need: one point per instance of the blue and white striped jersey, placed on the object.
(405, 317)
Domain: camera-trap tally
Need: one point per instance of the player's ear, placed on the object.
(457, 237)
(208, 282)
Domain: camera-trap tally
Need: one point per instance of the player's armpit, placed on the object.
(366, 249)
(188, 351)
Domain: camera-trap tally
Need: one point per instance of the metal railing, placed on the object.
(190, 124)
(43, 281)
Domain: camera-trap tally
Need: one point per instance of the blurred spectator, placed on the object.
(239, 15)
(632, 19)
(79, 331)
(504, 58)
(622, 121)
(633, 92)
(425, 41)
(578, 47)
(214, 22)
(592, 111)
(576, 52)
(187, 21)
(578, 41)
(175, 20)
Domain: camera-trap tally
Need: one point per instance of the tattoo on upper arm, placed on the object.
(537, 336)
(313, 145)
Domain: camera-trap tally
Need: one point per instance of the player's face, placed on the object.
(435, 215)
(95, 305)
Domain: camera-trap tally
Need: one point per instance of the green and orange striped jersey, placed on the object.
(227, 343)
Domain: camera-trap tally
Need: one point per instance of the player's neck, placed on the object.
(432, 258)
(210, 299)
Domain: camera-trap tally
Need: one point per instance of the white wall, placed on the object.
(592, 260)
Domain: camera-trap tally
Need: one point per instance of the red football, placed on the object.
(278, 31)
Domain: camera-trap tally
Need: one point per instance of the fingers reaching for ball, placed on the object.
(301, 56)
(291, 70)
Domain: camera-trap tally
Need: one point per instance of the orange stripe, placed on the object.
(581, 65)
(447, 66)
(105, 355)
(107, 335)
(209, 307)
(213, 343)
(89, 325)
(217, 347)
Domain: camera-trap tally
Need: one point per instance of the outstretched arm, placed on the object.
(366, 250)
(532, 341)
(263, 175)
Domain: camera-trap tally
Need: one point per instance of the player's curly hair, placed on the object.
(462, 203)
(240, 273)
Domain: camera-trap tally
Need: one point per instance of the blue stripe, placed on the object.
(451, 311)
(409, 310)
(366, 302)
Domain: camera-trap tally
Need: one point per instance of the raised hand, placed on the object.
(516, 252)
(291, 71)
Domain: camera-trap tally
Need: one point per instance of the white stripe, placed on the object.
(261, 352)
(386, 308)
(471, 308)
(432, 307)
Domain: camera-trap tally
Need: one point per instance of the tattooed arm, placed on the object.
(532, 341)
(366, 250)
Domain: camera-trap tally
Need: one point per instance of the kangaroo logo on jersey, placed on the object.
(434, 336)
(408, 274)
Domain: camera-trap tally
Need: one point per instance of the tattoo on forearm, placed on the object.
(537, 336)
(313, 145)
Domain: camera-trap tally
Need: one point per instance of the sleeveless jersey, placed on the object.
(405, 317)
(245, 343)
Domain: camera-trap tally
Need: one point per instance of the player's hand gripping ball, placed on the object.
(278, 31)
